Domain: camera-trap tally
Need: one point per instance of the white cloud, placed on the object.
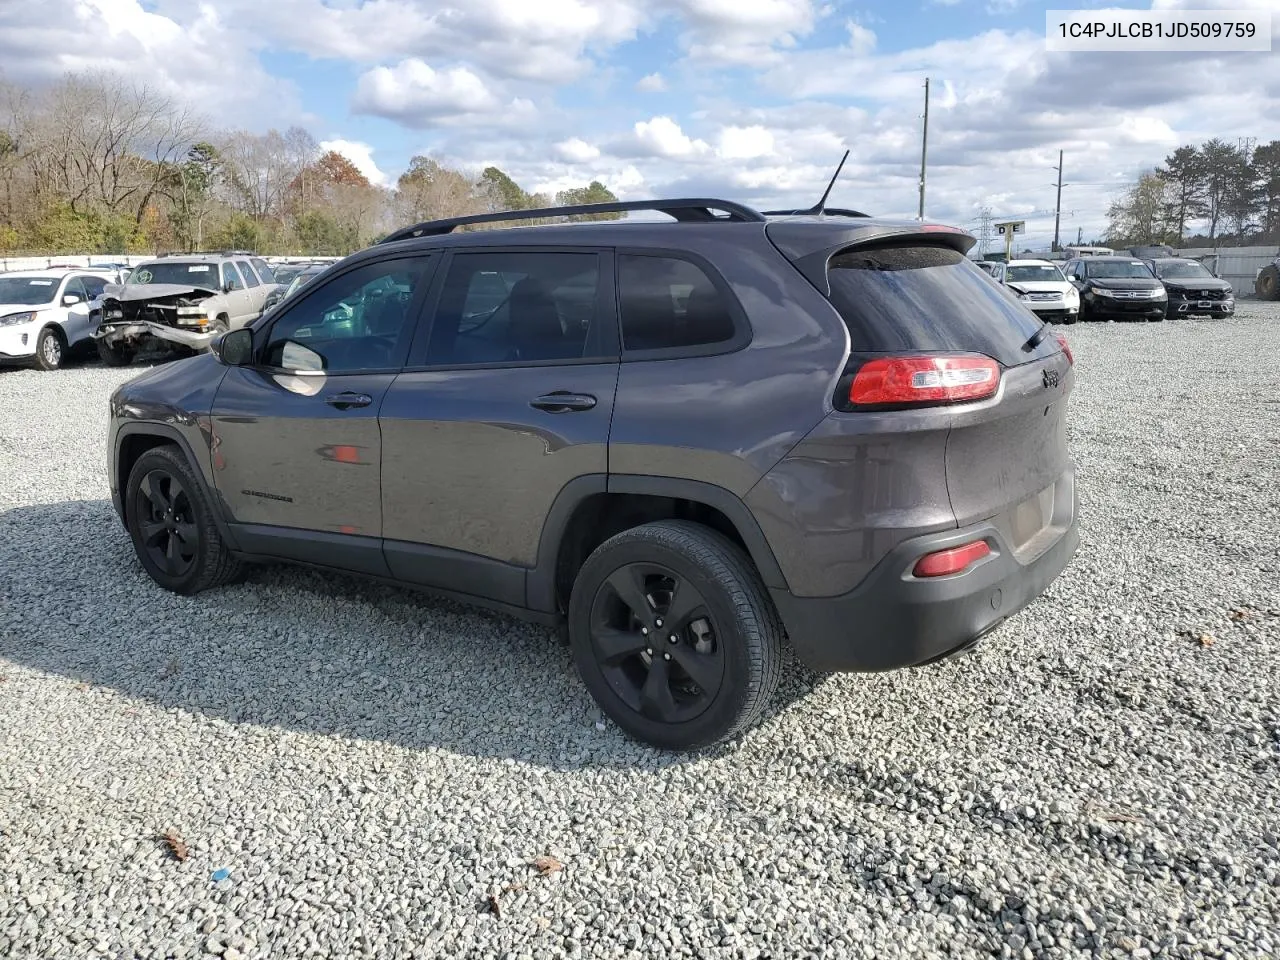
(744, 32)
(660, 137)
(202, 60)
(653, 83)
(420, 96)
(576, 150)
(861, 39)
(744, 143)
(414, 89)
(361, 157)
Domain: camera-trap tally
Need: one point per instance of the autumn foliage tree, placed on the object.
(98, 163)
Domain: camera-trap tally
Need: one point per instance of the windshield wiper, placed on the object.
(1036, 338)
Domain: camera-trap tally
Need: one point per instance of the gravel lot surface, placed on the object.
(355, 770)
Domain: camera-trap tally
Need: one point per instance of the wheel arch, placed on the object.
(592, 508)
(135, 439)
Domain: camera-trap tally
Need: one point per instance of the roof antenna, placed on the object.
(817, 208)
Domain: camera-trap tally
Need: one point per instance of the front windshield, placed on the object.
(1119, 270)
(203, 275)
(27, 291)
(1185, 269)
(1034, 272)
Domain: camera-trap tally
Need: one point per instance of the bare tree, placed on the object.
(103, 143)
(260, 168)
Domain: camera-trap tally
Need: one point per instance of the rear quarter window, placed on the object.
(920, 298)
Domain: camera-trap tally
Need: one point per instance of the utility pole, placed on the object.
(924, 145)
(1057, 210)
(1079, 236)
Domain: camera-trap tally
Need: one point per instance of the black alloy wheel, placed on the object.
(675, 635)
(166, 522)
(656, 643)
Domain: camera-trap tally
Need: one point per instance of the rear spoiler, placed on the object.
(811, 250)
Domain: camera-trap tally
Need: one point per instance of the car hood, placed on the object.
(1124, 283)
(8, 308)
(1193, 283)
(1042, 286)
(154, 291)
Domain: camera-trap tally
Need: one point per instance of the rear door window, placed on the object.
(519, 307)
(905, 298)
(249, 276)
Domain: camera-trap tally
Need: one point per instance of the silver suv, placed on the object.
(185, 301)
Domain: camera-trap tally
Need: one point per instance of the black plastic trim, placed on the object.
(171, 434)
(455, 571)
(683, 210)
(725, 501)
(540, 584)
(894, 619)
(336, 551)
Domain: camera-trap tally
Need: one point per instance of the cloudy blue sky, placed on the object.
(749, 99)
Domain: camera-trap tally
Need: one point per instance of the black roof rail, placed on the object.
(828, 211)
(685, 211)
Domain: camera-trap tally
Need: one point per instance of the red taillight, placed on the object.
(1066, 348)
(946, 562)
(928, 379)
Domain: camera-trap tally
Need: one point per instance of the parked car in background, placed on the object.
(185, 301)
(1042, 287)
(1123, 288)
(681, 441)
(1192, 289)
(296, 280)
(44, 315)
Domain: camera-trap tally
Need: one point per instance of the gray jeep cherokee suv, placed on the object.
(686, 442)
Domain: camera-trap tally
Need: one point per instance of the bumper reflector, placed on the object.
(946, 562)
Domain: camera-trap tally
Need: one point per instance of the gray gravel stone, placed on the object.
(372, 766)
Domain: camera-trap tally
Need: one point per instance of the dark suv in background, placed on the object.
(1192, 289)
(687, 442)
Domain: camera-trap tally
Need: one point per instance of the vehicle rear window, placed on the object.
(929, 298)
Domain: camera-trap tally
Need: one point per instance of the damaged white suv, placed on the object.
(186, 301)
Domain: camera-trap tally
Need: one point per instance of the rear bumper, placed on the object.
(894, 619)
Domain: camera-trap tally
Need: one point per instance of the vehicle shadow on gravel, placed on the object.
(310, 651)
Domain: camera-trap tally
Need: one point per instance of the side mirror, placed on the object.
(235, 348)
(228, 287)
(70, 300)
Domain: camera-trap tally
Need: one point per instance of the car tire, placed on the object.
(114, 356)
(51, 349)
(1267, 286)
(1070, 318)
(171, 523)
(716, 677)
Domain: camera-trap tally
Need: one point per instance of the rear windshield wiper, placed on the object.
(1036, 338)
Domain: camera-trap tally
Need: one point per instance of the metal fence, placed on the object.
(1236, 265)
(83, 260)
